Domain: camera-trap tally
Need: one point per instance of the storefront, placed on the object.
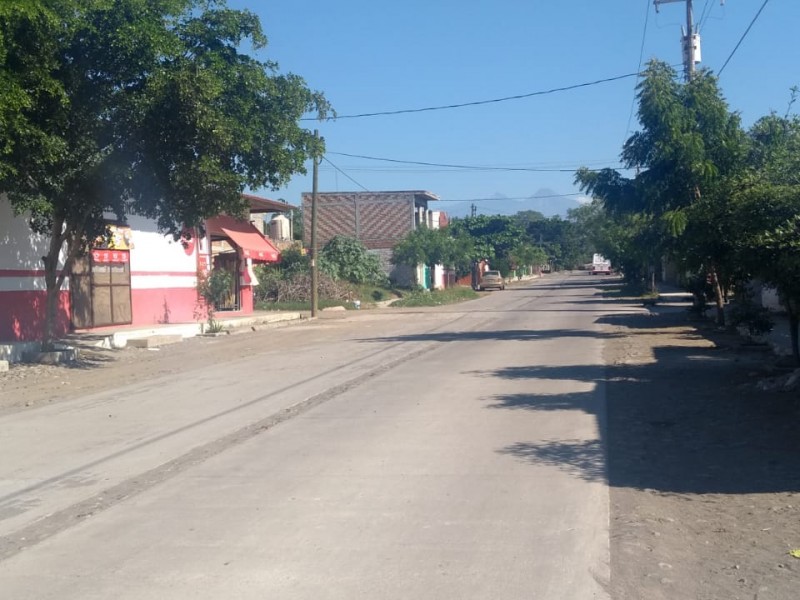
(235, 245)
(139, 277)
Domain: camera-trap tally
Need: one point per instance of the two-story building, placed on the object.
(379, 220)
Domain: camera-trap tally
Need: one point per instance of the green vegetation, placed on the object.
(348, 272)
(213, 288)
(520, 244)
(718, 202)
(435, 298)
(346, 259)
(147, 108)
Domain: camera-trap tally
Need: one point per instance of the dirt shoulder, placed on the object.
(703, 467)
(27, 386)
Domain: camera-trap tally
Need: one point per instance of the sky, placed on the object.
(372, 56)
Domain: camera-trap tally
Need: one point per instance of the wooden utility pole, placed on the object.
(690, 40)
(314, 262)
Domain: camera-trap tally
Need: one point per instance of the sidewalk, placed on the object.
(151, 335)
(779, 339)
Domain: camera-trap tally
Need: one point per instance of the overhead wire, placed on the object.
(741, 39)
(545, 197)
(639, 68)
(343, 173)
(704, 15)
(457, 166)
(479, 102)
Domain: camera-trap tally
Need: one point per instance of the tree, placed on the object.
(493, 237)
(345, 258)
(527, 255)
(140, 107)
(688, 155)
(432, 247)
(770, 213)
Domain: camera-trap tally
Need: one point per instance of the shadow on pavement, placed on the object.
(500, 335)
(688, 420)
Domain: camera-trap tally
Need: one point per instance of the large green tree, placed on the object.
(139, 106)
(433, 247)
(769, 213)
(688, 155)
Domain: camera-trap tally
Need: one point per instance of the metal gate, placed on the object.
(100, 289)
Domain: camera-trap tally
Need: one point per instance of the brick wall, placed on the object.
(378, 220)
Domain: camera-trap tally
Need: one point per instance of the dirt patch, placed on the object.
(27, 386)
(704, 468)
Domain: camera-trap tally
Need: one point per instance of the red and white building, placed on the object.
(142, 278)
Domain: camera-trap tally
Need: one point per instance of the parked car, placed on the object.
(492, 279)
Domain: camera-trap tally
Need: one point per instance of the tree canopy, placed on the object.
(140, 106)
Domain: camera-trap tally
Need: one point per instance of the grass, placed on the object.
(366, 293)
(436, 298)
(370, 295)
(295, 306)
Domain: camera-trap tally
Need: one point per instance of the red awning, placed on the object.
(249, 239)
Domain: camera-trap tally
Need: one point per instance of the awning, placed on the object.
(249, 239)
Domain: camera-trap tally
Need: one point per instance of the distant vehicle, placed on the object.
(600, 266)
(492, 279)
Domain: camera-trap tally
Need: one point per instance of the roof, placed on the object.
(265, 205)
(245, 236)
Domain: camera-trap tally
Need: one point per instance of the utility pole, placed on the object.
(314, 265)
(690, 41)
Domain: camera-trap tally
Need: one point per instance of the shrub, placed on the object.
(347, 259)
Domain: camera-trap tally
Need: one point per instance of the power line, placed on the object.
(480, 102)
(549, 196)
(327, 160)
(704, 15)
(741, 39)
(401, 169)
(639, 68)
(455, 166)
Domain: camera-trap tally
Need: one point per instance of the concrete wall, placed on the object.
(163, 275)
(22, 284)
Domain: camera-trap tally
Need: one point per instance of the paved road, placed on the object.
(414, 454)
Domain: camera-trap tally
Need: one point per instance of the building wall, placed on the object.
(22, 284)
(378, 220)
(163, 275)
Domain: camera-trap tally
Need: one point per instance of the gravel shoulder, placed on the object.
(702, 465)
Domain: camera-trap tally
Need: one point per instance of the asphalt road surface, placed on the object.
(388, 454)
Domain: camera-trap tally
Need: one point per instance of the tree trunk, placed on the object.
(54, 280)
(52, 285)
(652, 279)
(719, 296)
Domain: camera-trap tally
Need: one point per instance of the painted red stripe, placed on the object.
(164, 273)
(41, 273)
(21, 272)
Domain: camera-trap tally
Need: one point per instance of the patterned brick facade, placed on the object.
(378, 219)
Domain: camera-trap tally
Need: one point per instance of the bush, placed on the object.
(746, 312)
(347, 259)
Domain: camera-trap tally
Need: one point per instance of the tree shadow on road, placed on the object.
(495, 335)
(686, 419)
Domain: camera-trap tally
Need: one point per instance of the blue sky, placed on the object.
(369, 56)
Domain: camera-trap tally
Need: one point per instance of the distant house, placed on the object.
(379, 220)
(141, 277)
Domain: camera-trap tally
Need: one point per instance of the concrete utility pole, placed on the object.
(314, 265)
(690, 40)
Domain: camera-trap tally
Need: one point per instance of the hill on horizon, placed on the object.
(544, 200)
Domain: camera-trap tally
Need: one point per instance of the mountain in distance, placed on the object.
(544, 200)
